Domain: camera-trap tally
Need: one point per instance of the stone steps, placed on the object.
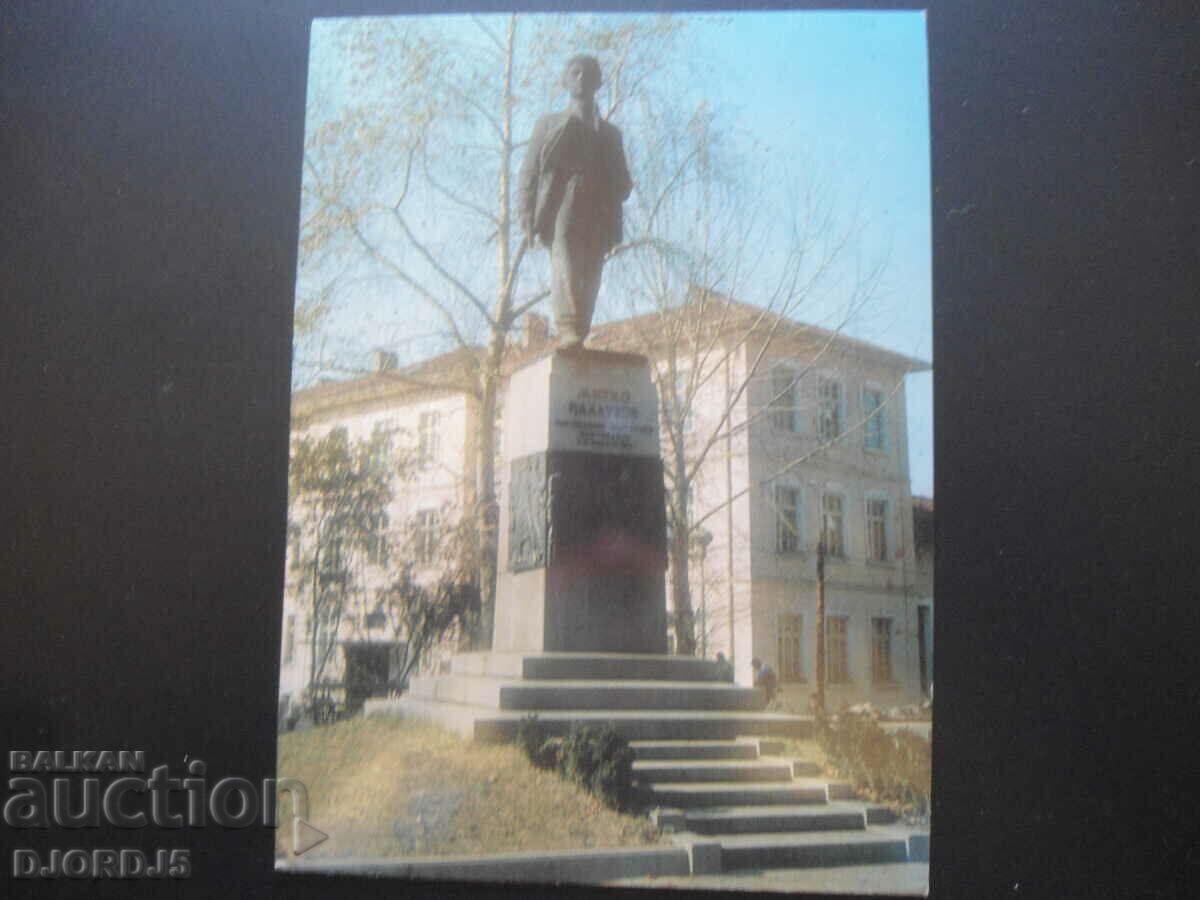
(769, 812)
(728, 820)
(585, 666)
(536, 695)
(704, 750)
(810, 849)
(687, 795)
(488, 724)
(653, 771)
(650, 750)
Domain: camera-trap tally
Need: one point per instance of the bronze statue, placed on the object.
(572, 185)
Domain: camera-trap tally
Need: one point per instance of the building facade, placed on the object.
(782, 434)
(427, 419)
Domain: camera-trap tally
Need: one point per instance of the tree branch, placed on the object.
(405, 277)
(454, 198)
(442, 271)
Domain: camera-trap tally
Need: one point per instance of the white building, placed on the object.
(799, 428)
(429, 420)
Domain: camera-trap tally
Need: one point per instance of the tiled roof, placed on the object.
(456, 370)
(740, 318)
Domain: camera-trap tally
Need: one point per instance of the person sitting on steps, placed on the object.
(765, 678)
(724, 669)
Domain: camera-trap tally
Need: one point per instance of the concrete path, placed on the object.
(907, 879)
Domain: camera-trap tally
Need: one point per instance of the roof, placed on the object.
(736, 315)
(445, 372)
(455, 371)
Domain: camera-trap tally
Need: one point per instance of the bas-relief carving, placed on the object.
(527, 513)
(597, 511)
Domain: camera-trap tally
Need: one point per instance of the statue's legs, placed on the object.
(575, 264)
(575, 284)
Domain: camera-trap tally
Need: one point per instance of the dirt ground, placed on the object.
(386, 788)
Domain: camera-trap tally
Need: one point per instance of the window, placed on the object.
(881, 651)
(787, 519)
(377, 543)
(874, 431)
(289, 638)
(428, 437)
(425, 536)
(877, 530)
(783, 399)
(833, 525)
(791, 645)
(837, 655)
(829, 410)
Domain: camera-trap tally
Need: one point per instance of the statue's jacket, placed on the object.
(577, 171)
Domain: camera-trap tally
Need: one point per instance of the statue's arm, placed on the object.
(527, 180)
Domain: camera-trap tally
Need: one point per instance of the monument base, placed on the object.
(485, 696)
(583, 528)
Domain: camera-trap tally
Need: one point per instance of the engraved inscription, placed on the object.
(602, 418)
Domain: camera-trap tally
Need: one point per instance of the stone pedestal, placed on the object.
(582, 522)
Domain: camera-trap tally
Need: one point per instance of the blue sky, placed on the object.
(847, 95)
(841, 99)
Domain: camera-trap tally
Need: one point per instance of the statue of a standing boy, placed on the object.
(572, 185)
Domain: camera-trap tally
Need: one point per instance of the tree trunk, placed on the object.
(487, 510)
(681, 594)
(486, 507)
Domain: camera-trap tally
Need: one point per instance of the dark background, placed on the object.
(150, 154)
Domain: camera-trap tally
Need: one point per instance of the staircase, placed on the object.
(705, 748)
(644, 696)
(745, 806)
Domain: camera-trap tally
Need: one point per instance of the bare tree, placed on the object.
(338, 494)
(725, 228)
(427, 608)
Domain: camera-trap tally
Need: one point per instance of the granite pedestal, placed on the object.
(582, 524)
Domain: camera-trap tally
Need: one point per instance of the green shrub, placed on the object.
(600, 761)
(539, 748)
(891, 768)
(597, 759)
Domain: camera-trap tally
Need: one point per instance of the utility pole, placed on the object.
(820, 695)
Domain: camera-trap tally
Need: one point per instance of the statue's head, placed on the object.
(582, 75)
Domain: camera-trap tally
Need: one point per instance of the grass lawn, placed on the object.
(383, 787)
